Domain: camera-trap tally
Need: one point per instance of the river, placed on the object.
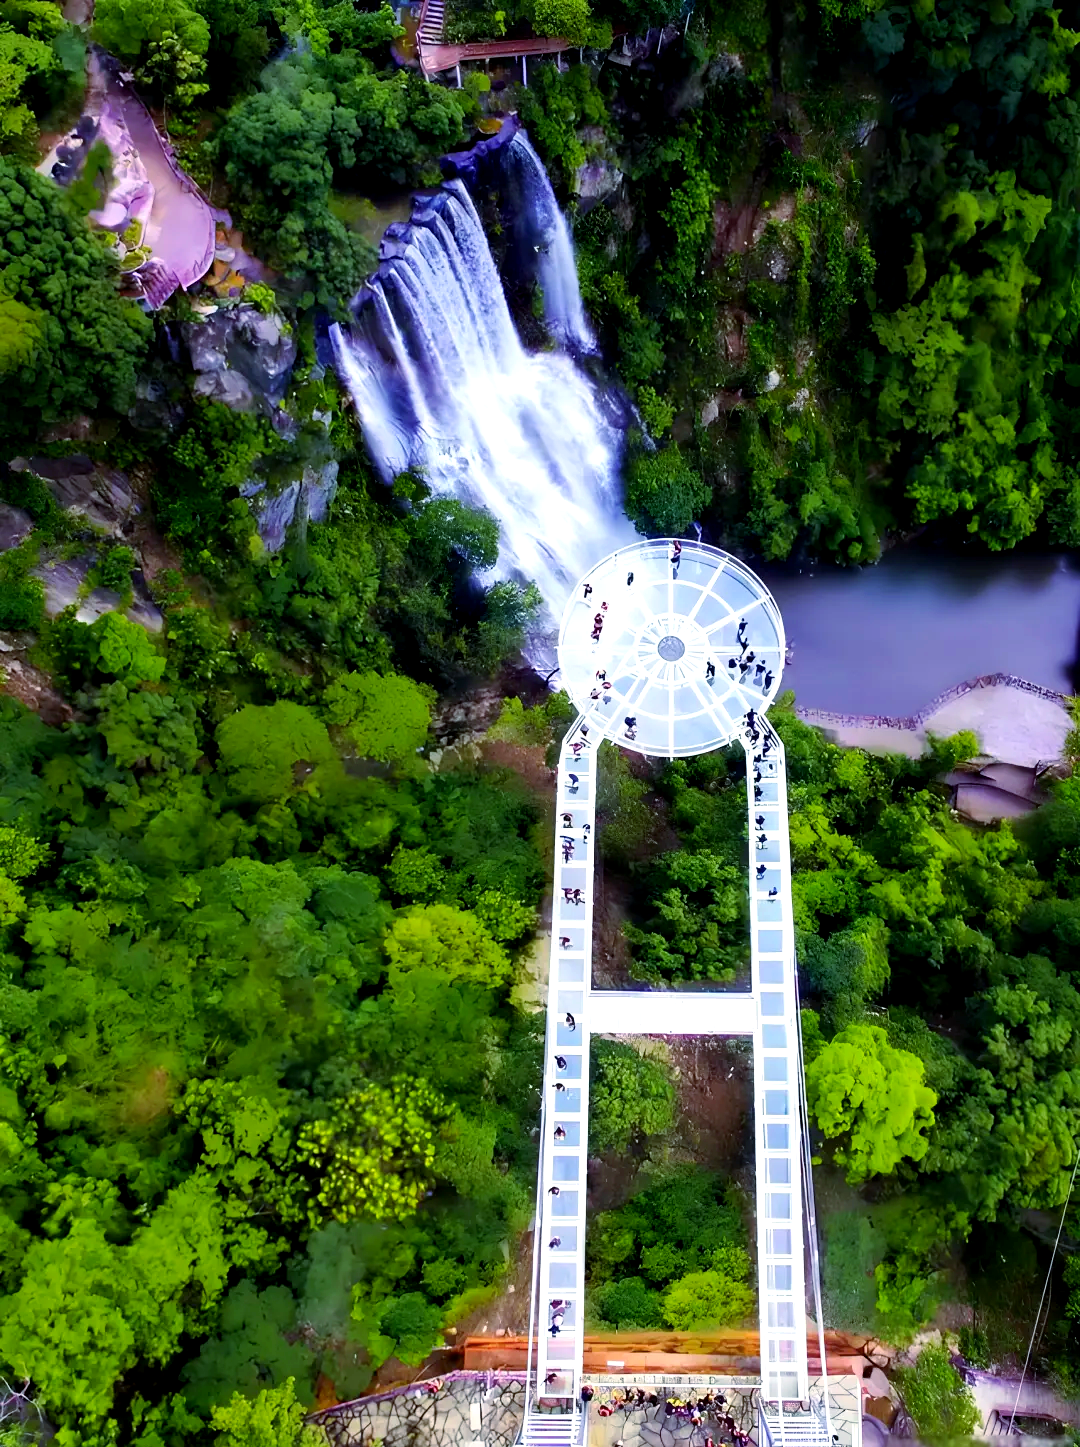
(887, 639)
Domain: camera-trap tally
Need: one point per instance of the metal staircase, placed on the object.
(804, 1427)
(432, 27)
(553, 1429)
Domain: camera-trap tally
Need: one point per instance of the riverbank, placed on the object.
(1015, 720)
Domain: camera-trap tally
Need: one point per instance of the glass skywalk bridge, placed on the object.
(672, 649)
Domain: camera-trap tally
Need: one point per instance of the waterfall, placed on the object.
(442, 384)
(541, 227)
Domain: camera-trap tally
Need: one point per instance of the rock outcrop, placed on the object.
(241, 356)
(64, 581)
(305, 500)
(101, 495)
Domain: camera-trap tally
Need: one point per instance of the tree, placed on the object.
(664, 493)
(941, 1404)
(850, 969)
(251, 1352)
(569, 19)
(129, 27)
(21, 855)
(438, 936)
(125, 650)
(153, 730)
(697, 931)
(248, 1152)
(706, 1300)
(262, 746)
(274, 1419)
(69, 340)
(407, 1327)
(386, 717)
(374, 1156)
(630, 1095)
(445, 526)
(21, 56)
(86, 1309)
(859, 1087)
(673, 1229)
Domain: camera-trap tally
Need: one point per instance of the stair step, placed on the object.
(551, 1430)
(802, 1430)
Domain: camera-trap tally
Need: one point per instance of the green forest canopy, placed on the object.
(230, 956)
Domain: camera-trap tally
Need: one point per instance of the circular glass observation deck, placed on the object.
(666, 647)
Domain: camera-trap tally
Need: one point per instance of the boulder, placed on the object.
(206, 341)
(232, 388)
(243, 342)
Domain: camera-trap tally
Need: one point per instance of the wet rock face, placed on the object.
(303, 501)
(28, 683)
(241, 356)
(599, 177)
(596, 180)
(15, 526)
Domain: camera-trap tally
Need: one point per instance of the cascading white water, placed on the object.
(442, 384)
(546, 231)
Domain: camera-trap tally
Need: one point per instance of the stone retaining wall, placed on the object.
(451, 1411)
(822, 718)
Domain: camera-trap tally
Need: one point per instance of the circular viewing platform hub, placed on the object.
(666, 646)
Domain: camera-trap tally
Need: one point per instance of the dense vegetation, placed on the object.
(267, 1103)
(256, 1026)
(840, 266)
(674, 1255)
(905, 915)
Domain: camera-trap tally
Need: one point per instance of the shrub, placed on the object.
(941, 1404)
(664, 493)
(631, 1095)
(627, 1304)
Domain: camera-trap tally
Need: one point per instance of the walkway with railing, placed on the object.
(558, 1304)
(436, 55)
(768, 1014)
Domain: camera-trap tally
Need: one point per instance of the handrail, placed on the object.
(534, 1304)
(811, 1212)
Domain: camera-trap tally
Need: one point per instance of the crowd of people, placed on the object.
(709, 1414)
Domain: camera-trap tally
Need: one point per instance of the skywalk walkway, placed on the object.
(654, 649)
